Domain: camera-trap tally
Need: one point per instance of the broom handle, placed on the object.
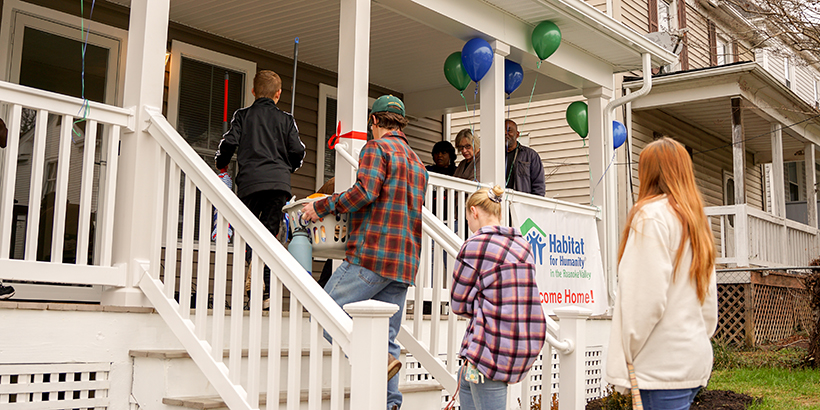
(636, 394)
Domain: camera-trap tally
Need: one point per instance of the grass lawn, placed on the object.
(781, 389)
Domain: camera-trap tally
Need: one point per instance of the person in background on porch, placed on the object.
(5, 291)
(268, 148)
(666, 309)
(524, 170)
(494, 287)
(444, 156)
(470, 167)
(384, 205)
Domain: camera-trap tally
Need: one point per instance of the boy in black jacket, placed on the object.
(268, 151)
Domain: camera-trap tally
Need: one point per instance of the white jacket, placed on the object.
(657, 321)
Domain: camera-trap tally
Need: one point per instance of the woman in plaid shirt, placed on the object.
(494, 286)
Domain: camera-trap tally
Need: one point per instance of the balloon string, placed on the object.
(467, 108)
(475, 103)
(602, 175)
(531, 93)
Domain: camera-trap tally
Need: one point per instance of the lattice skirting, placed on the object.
(54, 386)
(771, 313)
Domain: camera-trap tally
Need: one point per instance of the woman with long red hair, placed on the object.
(666, 305)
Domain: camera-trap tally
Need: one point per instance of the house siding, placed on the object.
(635, 15)
(697, 38)
(422, 134)
(803, 81)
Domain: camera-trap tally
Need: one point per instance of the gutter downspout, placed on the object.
(611, 203)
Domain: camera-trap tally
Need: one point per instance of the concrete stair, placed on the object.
(168, 379)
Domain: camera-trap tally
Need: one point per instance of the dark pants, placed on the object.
(267, 207)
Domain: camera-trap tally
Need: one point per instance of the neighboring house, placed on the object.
(153, 286)
(691, 101)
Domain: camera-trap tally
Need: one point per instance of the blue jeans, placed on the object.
(485, 395)
(678, 399)
(352, 283)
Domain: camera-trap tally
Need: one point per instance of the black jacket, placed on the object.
(269, 147)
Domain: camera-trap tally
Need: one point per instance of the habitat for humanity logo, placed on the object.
(535, 236)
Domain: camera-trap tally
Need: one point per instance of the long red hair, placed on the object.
(665, 168)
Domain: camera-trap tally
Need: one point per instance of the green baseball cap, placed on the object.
(388, 103)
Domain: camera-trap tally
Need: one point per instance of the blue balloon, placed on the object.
(513, 76)
(618, 134)
(476, 58)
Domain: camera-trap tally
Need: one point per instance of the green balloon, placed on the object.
(545, 39)
(578, 118)
(455, 72)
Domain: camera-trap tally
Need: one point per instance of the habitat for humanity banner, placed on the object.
(568, 266)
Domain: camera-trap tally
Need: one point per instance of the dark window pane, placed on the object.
(202, 101)
(54, 63)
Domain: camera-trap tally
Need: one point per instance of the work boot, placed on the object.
(393, 366)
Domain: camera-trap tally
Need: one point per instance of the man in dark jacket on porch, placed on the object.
(524, 171)
(268, 151)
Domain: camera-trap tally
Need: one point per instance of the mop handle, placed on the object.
(293, 87)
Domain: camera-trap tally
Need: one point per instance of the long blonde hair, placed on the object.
(665, 168)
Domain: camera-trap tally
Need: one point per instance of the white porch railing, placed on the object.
(751, 237)
(441, 240)
(190, 191)
(57, 187)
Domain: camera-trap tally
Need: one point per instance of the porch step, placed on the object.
(183, 354)
(215, 402)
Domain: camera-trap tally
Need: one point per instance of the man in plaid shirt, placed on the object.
(385, 224)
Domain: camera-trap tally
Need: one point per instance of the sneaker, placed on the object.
(266, 304)
(6, 292)
(393, 366)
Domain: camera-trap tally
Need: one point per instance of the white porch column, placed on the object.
(368, 356)
(137, 194)
(778, 179)
(492, 117)
(738, 152)
(739, 172)
(811, 182)
(602, 196)
(354, 74)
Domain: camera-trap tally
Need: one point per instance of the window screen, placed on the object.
(202, 102)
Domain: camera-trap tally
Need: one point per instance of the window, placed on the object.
(816, 93)
(663, 15)
(723, 51)
(196, 94)
(787, 72)
(792, 184)
(729, 193)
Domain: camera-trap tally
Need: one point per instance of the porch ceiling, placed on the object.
(407, 50)
(700, 101)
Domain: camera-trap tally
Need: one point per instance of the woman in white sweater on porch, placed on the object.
(666, 306)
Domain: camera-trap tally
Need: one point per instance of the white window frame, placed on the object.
(325, 91)
(180, 49)
(18, 15)
(788, 75)
(665, 19)
(816, 92)
(723, 50)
